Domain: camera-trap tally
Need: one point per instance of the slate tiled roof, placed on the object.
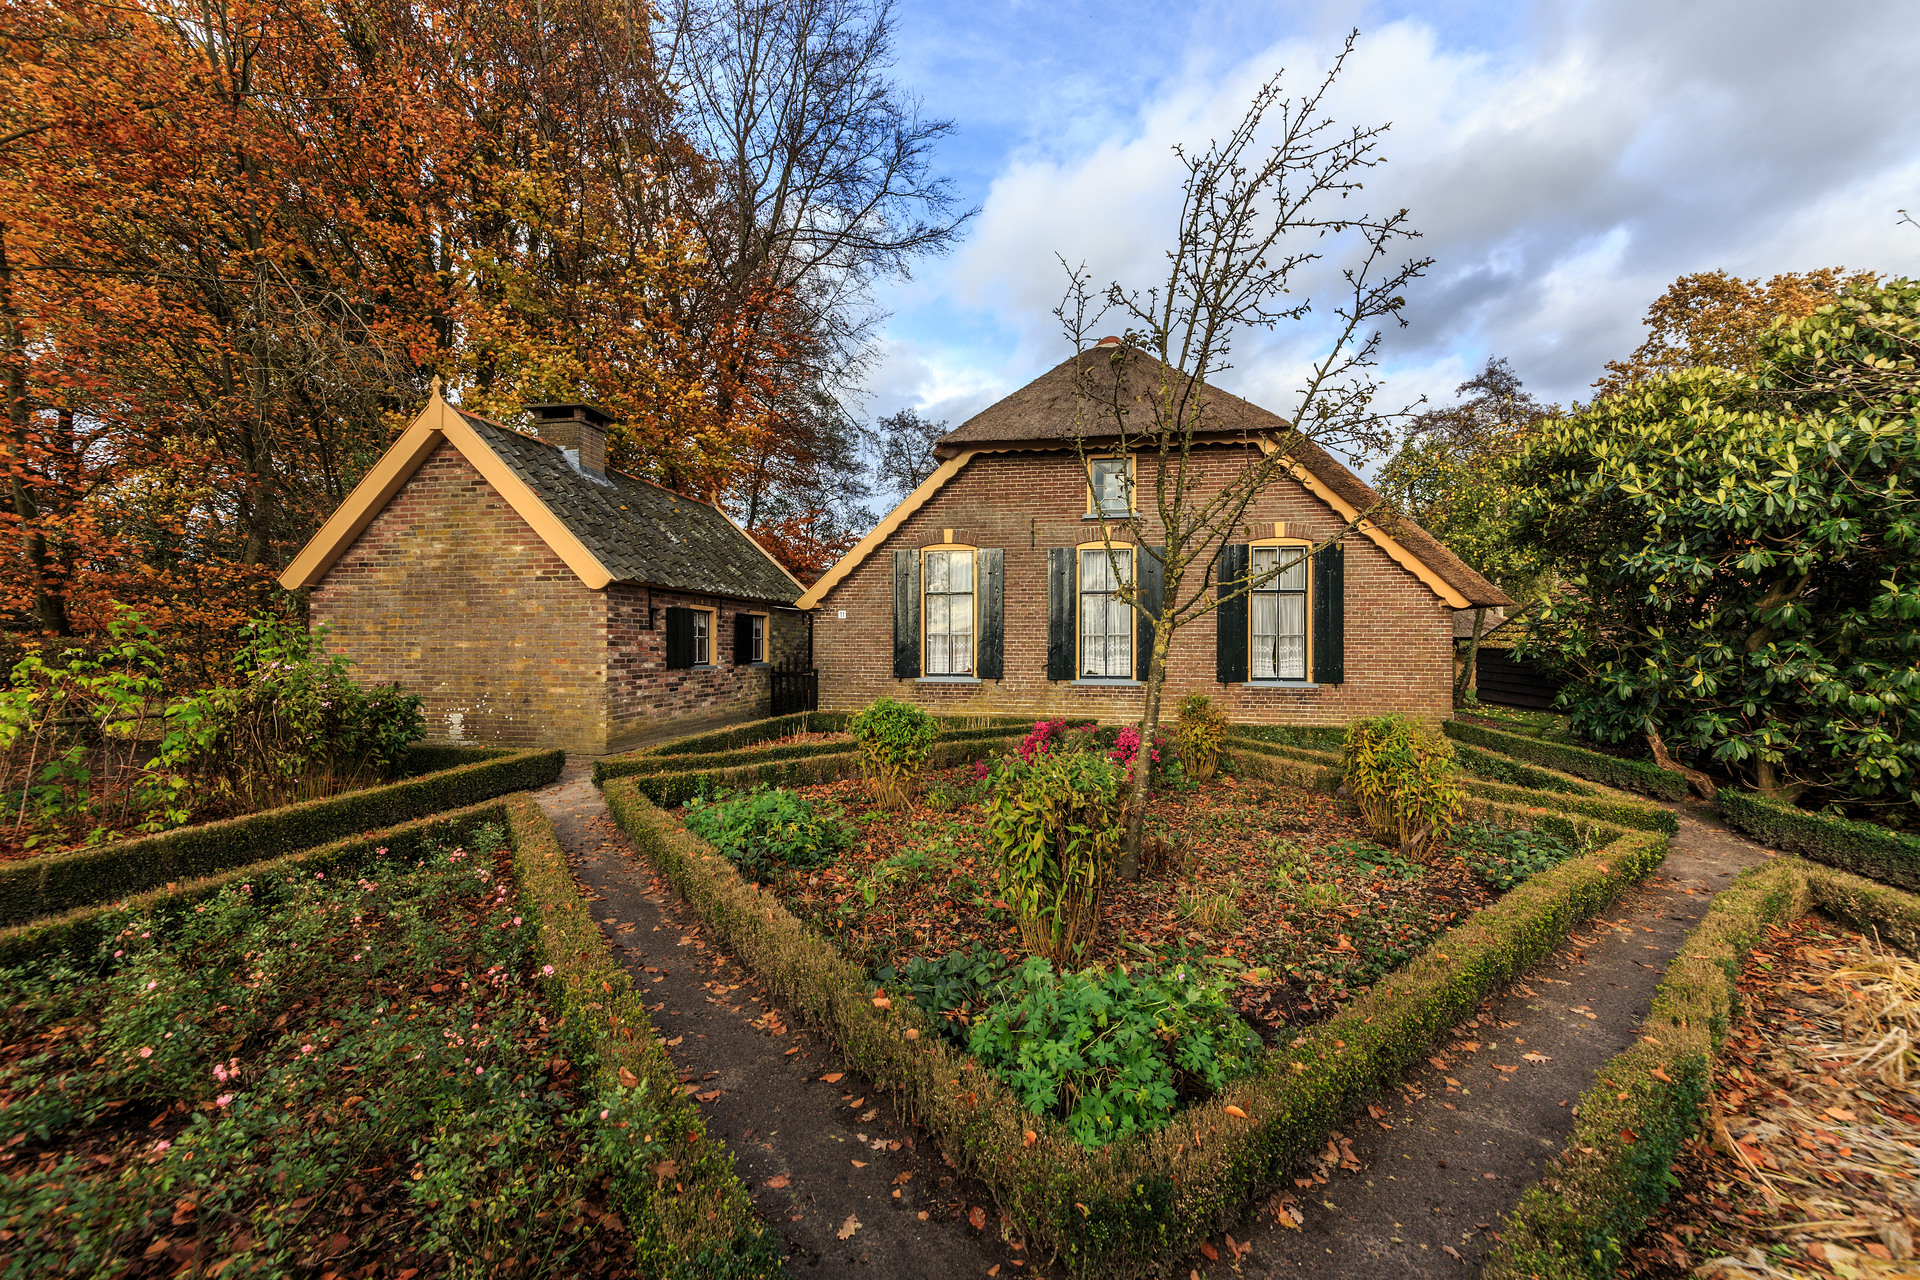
(641, 532)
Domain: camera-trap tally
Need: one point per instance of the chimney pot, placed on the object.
(1109, 341)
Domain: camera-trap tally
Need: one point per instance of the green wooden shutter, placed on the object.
(1330, 615)
(987, 663)
(1230, 619)
(1060, 613)
(679, 637)
(742, 639)
(906, 615)
(1153, 582)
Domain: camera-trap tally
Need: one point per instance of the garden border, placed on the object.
(827, 766)
(745, 735)
(1575, 1222)
(1132, 1207)
(706, 1226)
(1631, 775)
(637, 763)
(31, 888)
(1877, 852)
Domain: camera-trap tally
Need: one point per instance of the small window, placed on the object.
(1111, 483)
(1106, 621)
(757, 639)
(949, 612)
(702, 637)
(1278, 618)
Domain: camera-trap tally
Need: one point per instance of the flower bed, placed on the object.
(1129, 1206)
(422, 1060)
(54, 883)
(1616, 1169)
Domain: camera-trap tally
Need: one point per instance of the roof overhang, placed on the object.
(952, 467)
(438, 422)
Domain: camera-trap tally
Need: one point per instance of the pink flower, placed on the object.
(223, 1100)
(306, 1048)
(603, 1115)
(516, 919)
(152, 985)
(118, 954)
(547, 969)
(146, 1051)
(220, 1072)
(479, 1071)
(161, 1146)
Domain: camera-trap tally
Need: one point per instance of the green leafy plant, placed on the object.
(1504, 856)
(1315, 896)
(956, 989)
(1113, 1052)
(1056, 827)
(894, 740)
(1401, 775)
(1211, 911)
(770, 828)
(1198, 733)
(908, 867)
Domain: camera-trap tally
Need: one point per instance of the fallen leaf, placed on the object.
(1660, 1075)
(859, 1164)
(881, 1002)
(1028, 1138)
(628, 1079)
(779, 1182)
(901, 1178)
(1208, 1252)
(1451, 1252)
(833, 1077)
(1536, 1057)
(789, 1053)
(847, 1228)
(1234, 1111)
(708, 1096)
(978, 1218)
(994, 1270)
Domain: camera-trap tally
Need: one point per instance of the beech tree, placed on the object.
(1259, 221)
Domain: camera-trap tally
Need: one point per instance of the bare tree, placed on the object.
(1256, 226)
(825, 180)
(903, 450)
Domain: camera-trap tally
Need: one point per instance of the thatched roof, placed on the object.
(1049, 410)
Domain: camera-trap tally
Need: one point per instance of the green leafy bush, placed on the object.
(1504, 856)
(1113, 1052)
(955, 990)
(768, 828)
(1402, 777)
(894, 739)
(1055, 826)
(1198, 733)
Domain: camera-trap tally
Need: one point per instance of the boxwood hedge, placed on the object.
(34, 887)
(1860, 847)
(1643, 776)
(1130, 1208)
(677, 788)
(1575, 1223)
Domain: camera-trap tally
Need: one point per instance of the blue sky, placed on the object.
(1566, 161)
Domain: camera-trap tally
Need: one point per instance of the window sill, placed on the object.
(946, 680)
(1091, 518)
(1106, 682)
(1283, 684)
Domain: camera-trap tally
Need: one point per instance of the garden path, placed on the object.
(805, 1147)
(1458, 1155)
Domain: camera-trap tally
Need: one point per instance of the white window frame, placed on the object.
(1132, 630)
(973, 596)
(1272, 589)
(1094, 509)
(757, 639)
(712, 620)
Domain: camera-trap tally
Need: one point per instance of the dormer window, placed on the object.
(1110, 487)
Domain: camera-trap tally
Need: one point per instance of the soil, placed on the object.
(1812, 1166)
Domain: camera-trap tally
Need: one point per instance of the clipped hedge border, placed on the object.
(35, 887)
(1643, 776)
(1495, 767)
(1320, 770)
(641, 762)
(754, 731)
(1132, 1207)
(1575, 1223)
(703, 1224)
(670, 789)
(77, 933)
(1876, 852)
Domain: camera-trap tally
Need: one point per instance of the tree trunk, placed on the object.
(1464, 680)
(1143, 756)
(1698, 780)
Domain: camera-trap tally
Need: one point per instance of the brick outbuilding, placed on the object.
(533, 597)
(989, 589)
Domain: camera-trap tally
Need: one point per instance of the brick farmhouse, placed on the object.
(989, 589)
(533, 597)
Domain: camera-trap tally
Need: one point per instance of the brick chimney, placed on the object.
(580, 430)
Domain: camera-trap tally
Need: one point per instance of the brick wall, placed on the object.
(1398, 633)
(451, 593)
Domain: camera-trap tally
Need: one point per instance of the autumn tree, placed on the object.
(1711, 318)
(1259, 221)
(1452, 475)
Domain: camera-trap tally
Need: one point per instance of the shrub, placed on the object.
(1402, 778)
(1055, 825)
(1126, 747)
(955, 991)
(894, 739)
(1200, 730)
(1211, 911)
(1109, 1052)
(768, 828)
(1040, 738)
(1503, 856)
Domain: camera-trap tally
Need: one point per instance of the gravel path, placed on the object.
(817, 1154)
